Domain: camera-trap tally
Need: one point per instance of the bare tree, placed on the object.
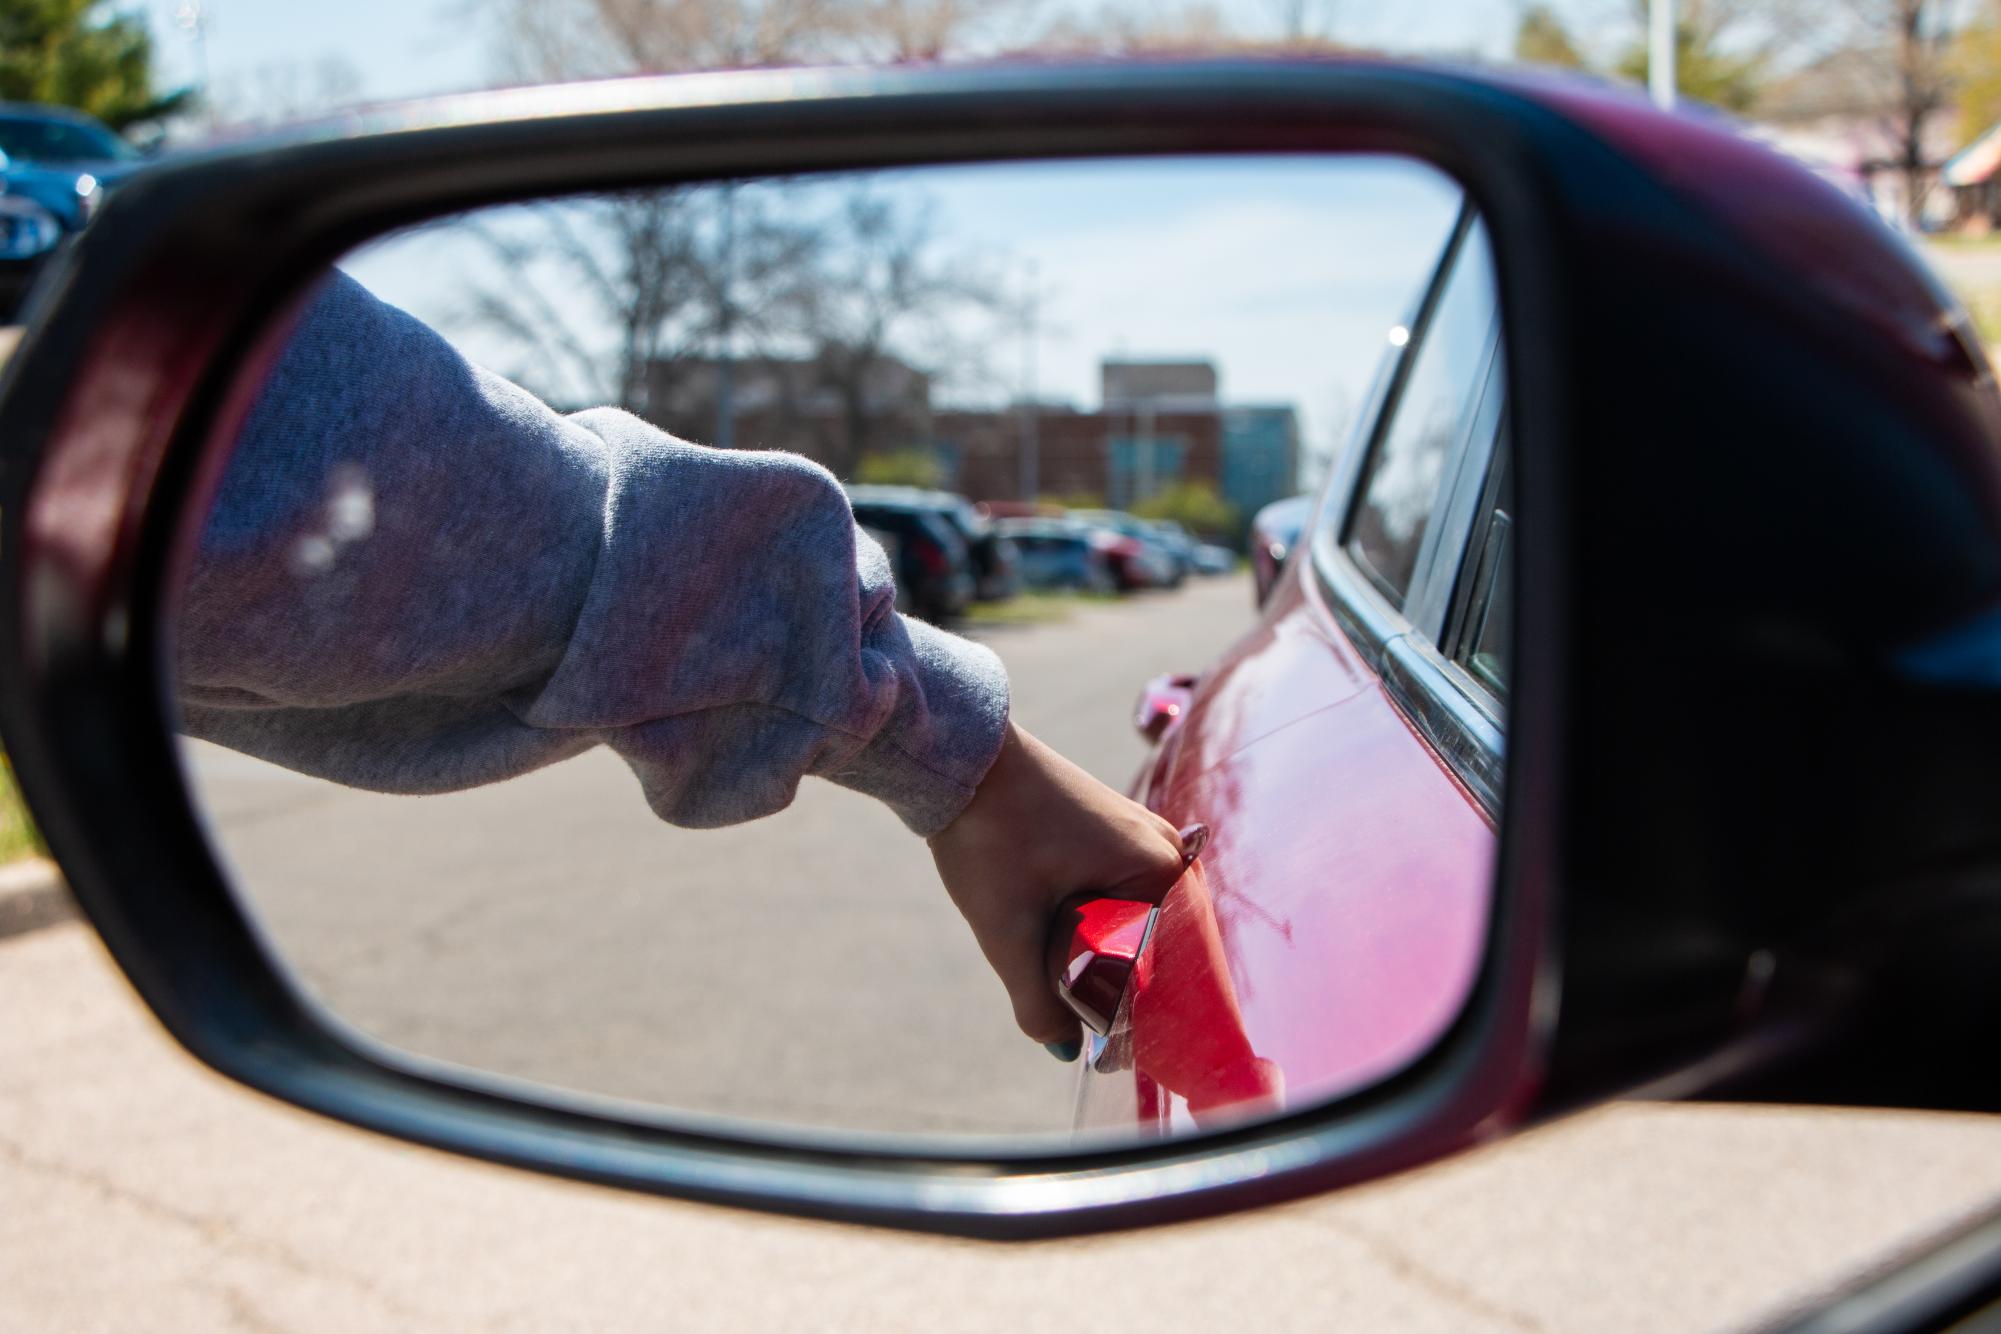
(1118, 30)
(284, 91)
(885, 299)
(1300, 20)
(1911, 41)
(544, 40)
(929, 30)
(686, 278)
(670, 273)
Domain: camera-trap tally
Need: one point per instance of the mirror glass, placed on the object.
(554, 729)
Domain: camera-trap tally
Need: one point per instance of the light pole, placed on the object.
(1660, 53)
(1030, 463)
(726, 328)
(194, 23)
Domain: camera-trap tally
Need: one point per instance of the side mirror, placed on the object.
(1699, 640)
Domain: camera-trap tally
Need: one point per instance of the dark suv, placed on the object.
(933, 562)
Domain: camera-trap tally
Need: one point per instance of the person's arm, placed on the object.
(416, 577)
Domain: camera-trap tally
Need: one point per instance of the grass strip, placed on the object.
(18, 838)
(1034, 607)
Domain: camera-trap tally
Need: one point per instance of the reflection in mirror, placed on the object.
(541, 743)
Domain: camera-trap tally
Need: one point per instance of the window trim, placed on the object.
(1464, 228)
(1456, 714)
(1480, 568)
(1434, 600)
(1448, 707)
(1335, 515)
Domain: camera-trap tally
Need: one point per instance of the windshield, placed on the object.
(28, 139)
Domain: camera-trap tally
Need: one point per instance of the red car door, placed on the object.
(1345, 757)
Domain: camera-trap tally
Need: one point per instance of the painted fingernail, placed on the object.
(1194, 838)
(1065, 1051)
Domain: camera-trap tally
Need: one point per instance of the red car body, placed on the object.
(1278, 968)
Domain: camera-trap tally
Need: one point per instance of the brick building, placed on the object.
(1159, 423)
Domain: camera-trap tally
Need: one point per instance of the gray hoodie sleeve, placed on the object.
(416, 577)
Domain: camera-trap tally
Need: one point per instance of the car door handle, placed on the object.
(1164, 699)
(1097, 942)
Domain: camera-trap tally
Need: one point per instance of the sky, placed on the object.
(262, 51)
(1287, 273)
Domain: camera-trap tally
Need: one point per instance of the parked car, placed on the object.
(996, 562)
(1134, 565)
(28, 234)
(1174, 539)
(892, 548)
(933, 565)
(1019, 509)
(1146, 562)
(1058, 554)
(1274, 533)
(1213, 559)
(55, 166)
(993, 557)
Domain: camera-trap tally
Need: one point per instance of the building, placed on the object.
(1159, 423)
(1260, 456)
(813, 406)
(1124, 385)
(1117, 457)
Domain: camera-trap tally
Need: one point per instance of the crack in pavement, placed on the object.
(1423, 1276)
(243, 1313)
(216, 1231)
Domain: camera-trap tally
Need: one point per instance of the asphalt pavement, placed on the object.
(804, 969)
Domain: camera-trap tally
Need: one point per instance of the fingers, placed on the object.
(1055, 1028)
(1016, 949)
(1040, 830)
(1153, 860)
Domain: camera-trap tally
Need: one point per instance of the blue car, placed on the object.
(55, 165)
(1057, 554)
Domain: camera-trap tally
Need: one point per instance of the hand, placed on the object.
(1038, 831)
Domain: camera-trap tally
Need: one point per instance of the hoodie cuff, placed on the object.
(943, 733)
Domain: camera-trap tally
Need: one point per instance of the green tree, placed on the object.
(1541, 39)
(1196, 506)
(904, 467)
(82, 54)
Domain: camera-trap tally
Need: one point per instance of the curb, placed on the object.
(32, 896)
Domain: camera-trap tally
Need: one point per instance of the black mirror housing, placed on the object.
(1747, 850)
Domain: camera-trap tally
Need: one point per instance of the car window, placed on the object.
(1400, 483)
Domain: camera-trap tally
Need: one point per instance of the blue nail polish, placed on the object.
(1064, 1051)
